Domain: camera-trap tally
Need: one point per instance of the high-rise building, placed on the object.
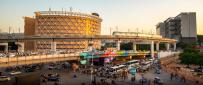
(160, 29)
(182, 27)
(62, 23)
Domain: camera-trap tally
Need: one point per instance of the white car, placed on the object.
(11, 55)
(15, 72)
(4, 78)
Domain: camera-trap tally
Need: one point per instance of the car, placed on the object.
(4, 78)
(198, 70)
(143, 80)
(11, 55)
(53, 77)
(51, 67)
(15, 72)
(158, 81)
(29, 69)
(157, 71)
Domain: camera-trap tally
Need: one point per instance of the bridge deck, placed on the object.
(84, 37)
(14, 61)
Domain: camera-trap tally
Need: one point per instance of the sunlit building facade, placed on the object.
(62, 23)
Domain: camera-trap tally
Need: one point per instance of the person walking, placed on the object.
(176, 75)
(133, 80)
(171, 77)
(149, 82)
(183, 79)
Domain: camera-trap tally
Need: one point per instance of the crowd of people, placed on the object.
(178, 71)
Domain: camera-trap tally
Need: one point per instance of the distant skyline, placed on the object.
(124, 14)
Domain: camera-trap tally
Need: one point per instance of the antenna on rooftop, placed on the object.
(19, 29)
(71, 9)
(137, 30)
(49, 12)
(62, 10)
(142, 31)
(117, 28)
(110, 30)
(65, 11)
(9, 30)
(49, 8)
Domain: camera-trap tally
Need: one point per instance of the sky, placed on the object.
(126, 15)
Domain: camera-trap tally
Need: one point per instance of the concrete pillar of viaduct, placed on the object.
(135, 46)
(174, 46)
(157, 46)
(20, 46)
(167, 46)
(118, 44)
(152, 49)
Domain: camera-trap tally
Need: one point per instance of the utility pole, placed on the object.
(9, 30)
(137, 30)
(19, 30)
(110, 30)
(71, 9)
(142, 31)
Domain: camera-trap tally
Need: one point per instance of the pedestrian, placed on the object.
(197, 82)
(184, 80)
(94, 82)
(133, 80)
(55, 83)
(172, 76)
(83, 83)
(149, 82)
(113, 82)
(176, 75)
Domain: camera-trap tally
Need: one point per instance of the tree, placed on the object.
(190, 50)
(187, 58)
(199, 60)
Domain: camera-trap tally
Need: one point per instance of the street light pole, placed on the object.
(91, 48)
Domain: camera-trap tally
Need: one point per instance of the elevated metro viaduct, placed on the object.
(118, 38)
(135, 39)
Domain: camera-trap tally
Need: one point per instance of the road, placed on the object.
(67, 79)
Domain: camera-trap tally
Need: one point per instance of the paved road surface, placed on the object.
(67, 79)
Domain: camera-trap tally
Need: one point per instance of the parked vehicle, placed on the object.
(117, 68)
(158, 81)
(15, 72)
(132, 63)
(145, 66)
(4, 78)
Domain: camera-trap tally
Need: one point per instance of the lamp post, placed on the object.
(91, 61)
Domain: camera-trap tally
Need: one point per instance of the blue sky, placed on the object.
(126, 14)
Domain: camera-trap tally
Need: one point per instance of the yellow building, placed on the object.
(62, 23)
